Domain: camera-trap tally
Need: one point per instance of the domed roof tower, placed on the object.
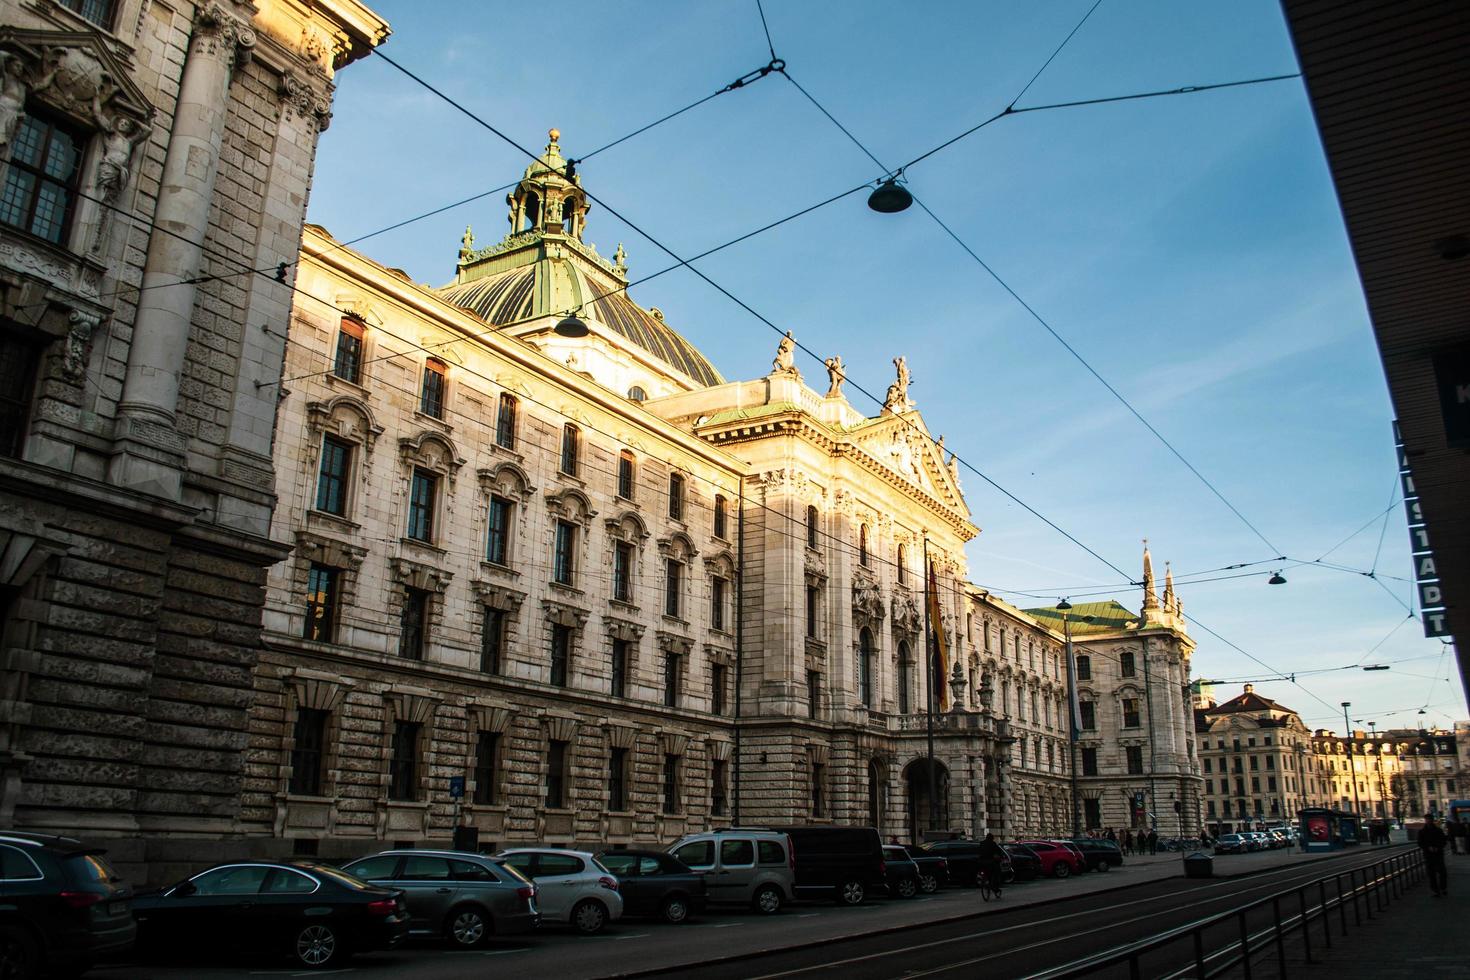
(543, 270)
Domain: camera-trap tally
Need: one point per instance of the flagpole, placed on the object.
(929, 701)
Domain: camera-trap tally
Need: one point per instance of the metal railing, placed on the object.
(1364, 889)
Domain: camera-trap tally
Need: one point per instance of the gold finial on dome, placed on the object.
(554, 133)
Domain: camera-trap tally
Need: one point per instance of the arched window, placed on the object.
(865, 667)
(570, 444)
(721, 516)
(505, 422)
(903, 565)
(676, 496)
(431, 398)
(569, 216)
(637, 394)
(863, 545)
(905, 668)
(533, 211)
(811, 526)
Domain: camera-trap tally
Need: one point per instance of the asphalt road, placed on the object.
(1037, 924)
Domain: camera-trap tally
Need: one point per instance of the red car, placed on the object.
(1057, 860)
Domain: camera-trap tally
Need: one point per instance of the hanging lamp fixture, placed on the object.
(1276, 578)
(571, 326)
(890, 197)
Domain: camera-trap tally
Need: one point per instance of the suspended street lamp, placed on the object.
(571, 326)
(1276, 578)
(890, 197)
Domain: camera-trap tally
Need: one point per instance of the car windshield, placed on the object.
(512, 871)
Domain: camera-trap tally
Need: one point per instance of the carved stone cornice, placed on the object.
(219, 33)
(306, 99)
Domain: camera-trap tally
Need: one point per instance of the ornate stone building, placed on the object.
(150, 154)
(1258, 761)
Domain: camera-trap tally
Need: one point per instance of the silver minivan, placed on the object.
(742, 867)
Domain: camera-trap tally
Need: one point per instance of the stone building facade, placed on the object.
(555, 579)
(1258, 760)
(150, 153)
(1400, 773)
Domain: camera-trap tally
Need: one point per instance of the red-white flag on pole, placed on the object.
(941, 652)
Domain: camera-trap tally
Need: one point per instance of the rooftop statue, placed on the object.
(785, 362)
(898, 393)
(835, 376)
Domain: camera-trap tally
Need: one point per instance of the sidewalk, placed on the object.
(1418, 937)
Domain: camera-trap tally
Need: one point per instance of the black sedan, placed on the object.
(310, 911)
(901, 872)
(1025, 865)
(655, 883)
(933, 868)
(1100, 853)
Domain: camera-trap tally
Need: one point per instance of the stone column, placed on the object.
(149, 450)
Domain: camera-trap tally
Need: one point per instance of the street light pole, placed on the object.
(1064, 607)
(1347, 728)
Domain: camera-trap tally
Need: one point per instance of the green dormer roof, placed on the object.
(1107, 617)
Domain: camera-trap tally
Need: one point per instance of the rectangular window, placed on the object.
(497, 538)
(1125, 663)
(623, 571)
(41, 181)
(720, 517)
(403, 766)
(422, 493)
(811, 527)
(309, 739)
(812, 605)
(672, 668)
(1089, 762)
(347, 365)
(98, 12)
(18, 362)
(671, 587)
(1270, 762)
(717, 604)
(1207, 765)
(492, 641)
(413, 623)
(1089, 715)
(431, 402)
(1092, 814)
(719, 781)
(625, 475)
(1271, 783)
(676, 496)
(671, 784)
(569, 447)
(1084, 668)
(1255, 784)
(556, 775)
(321, 603)
(819, 778)
(1130, 713)
(620, 668)
(1135, 760)
(332, 476)
(1255, 764)
(505, 422)
(617, 780)
(487, 766)
(718, 674)
(813, 693)
(562, 561)
(561, 653)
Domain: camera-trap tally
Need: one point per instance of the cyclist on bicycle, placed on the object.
(991, 855)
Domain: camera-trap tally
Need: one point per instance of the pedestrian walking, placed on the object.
(1153, 842)
(1127, 842)
(1432, 842)
(1458, 840)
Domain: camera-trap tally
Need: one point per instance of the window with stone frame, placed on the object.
(617, 780)
(561, 655)
(1134, 754)
(718, 598)
(309, 751)
(1126, 665)
(571, 447)
(902, 562)
(99, 12)
(413, 623)
(435, 387)
(487, 768)
(1089, 761)
(673, 676)
(719, 683)
(499, 523)
(505, 421)
(813, 609)
(347, 359)
(671, 802)
(621, 658)
(722, 517)
(819, 785)
(564, 554)
(863, 545)
(334, 476)
(492, 640)
(905, 675)
(42, 177)
(20, 359)
(1131, 717)
(813, 527)
(813, 693)
(866, 693)
(719, 788)
(1084, 668)
(1088, 711)
(403, 762)
(1092, 813)
(676, 497)
(625, 475)
(556, 774)
(323, 593)
(422, 502)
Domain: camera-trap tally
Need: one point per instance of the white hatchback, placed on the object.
(573, 886)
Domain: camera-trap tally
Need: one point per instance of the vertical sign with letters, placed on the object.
(1426, 571)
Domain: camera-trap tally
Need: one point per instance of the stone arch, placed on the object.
(508, 480)
(922, 815)
(571, 504)
(431, 450)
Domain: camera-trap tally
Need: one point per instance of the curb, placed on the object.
(893, 930)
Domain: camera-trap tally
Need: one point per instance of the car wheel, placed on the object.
(850, 893)
(588, 917)
(467, 927)
(908, 888)
(928, 884)
(20, 955)
(1105, 866)
(1061, 869)
(674, 910)
(768, 900)
(317, 946)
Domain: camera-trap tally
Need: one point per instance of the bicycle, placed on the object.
(989, 885)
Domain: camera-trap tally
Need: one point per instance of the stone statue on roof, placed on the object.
(785, 362)
(835, 376)
(898, 393)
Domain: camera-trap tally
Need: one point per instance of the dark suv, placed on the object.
(61, 906)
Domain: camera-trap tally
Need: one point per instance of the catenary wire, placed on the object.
(1047, 63)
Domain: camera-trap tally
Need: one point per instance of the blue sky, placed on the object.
(1190, 247)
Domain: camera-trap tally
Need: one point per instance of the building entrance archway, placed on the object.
(922, 818)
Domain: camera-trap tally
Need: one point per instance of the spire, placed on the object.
(549, 198)
(1169, 598)
(1150, 598)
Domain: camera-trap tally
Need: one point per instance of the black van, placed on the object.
(845, 863)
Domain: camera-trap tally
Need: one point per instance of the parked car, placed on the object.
(1023, 863)
(845, 863)
(933, 868)
(1057, 860)
(1100, 854)
(571, 886)
(463, 896)
(901, 871)
(655, 883)
(963, 856)
(1231, 844)
(755, 867)
(316, 913)
(62, 906)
